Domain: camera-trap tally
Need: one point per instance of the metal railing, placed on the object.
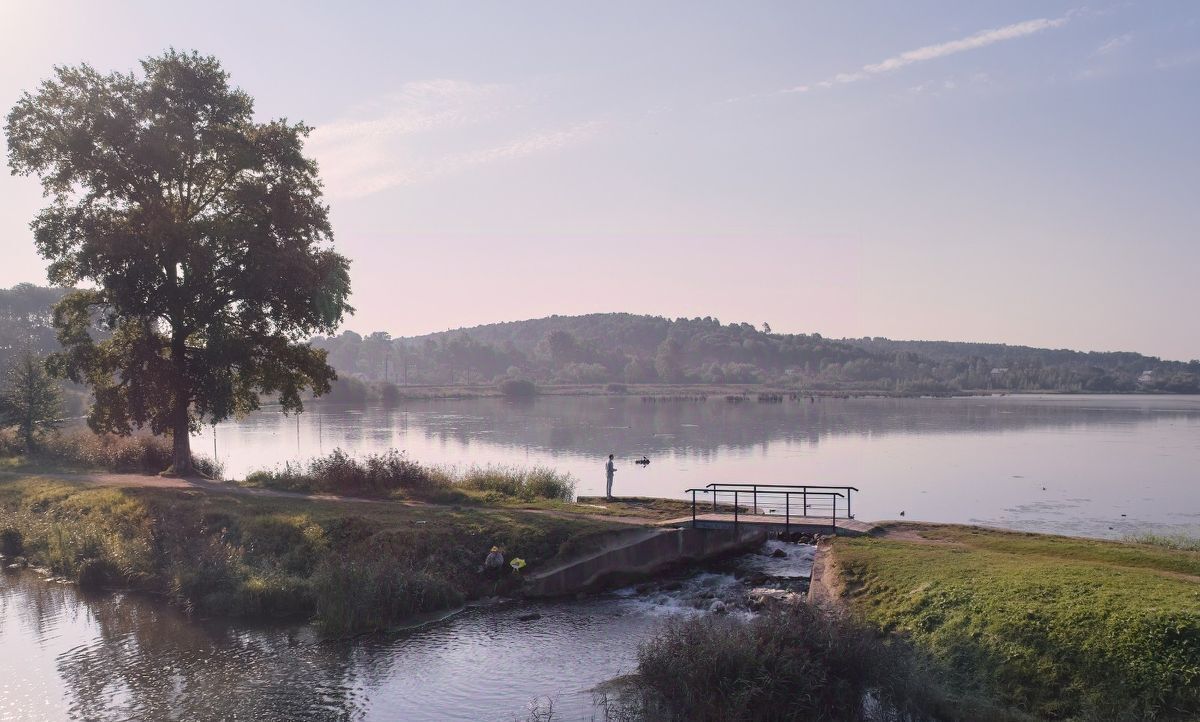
(806, 499)
(776, 488)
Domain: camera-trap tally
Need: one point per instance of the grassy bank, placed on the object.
(350, 566)
(80, 449)
(1059, 628)
(393, 475)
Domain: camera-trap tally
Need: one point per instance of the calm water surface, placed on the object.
(70, 655)
(1088, 465)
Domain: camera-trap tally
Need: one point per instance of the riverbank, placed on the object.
(377, 392)
(1053, 627)
(347, 566)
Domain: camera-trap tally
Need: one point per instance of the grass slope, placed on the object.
(348, 565)
(1060, 628)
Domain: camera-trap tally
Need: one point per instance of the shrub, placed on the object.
(340, 473)
(518, 389)
(390, 394)
(616, 388)
(10, 543)
(381, 474)
(371, 592)
(795, 663)
(1182, 542)
(535, 482)
(138, 453)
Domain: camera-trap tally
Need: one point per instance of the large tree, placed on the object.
(199, 234)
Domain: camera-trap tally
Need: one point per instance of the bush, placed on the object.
(138, 453)
(381, 474)
(10, 543)
(390, 394)
(371, 592)
(340, 473)
(615, 388)
(518, 389)
(794, 663)
(537, 482)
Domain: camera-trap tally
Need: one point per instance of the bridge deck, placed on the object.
(776, 522)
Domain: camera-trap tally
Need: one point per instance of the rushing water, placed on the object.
(70, 655)
(1086, 465)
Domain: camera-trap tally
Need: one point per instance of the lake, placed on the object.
(1102, 466)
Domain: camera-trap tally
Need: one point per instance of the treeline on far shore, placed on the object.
(620, 348)
(612, 350)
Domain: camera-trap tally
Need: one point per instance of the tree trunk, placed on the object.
(181, 442)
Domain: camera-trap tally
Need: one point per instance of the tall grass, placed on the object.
(1181, 542)
(795, 663)
(536, 482)
(367, 592)
(84, 449)
(340, 473)
(381, 474)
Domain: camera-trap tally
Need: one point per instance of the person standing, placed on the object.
(609, 470)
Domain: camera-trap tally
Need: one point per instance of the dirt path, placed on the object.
(153, 481)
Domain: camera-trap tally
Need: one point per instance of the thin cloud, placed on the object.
(1115, 43)
(981, 39)
(451, 164)
(427, 130)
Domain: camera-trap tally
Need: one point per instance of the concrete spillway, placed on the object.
(636, 553)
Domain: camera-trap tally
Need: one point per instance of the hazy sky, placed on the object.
(1026, 172)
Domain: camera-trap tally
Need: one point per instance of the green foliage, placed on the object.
(518, 388)
(1167, 541)
(351, 567)
(380, 475)
(203, 232)
(795, 663)
(1059, 628)
(622, 347)
(340, 473)
(373, 593)
(537, 482)
(30, 400)
(139, 453)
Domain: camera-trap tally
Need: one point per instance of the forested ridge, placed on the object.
(627, 348)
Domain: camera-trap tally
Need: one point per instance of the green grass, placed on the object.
(1167, 541)
(1060, 628)
(347, 565)
(393, 475)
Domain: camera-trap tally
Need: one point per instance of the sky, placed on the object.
(1017, 172)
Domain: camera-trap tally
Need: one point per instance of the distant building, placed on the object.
(1147, 377)
(999, 371)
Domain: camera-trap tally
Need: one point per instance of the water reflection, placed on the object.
(1070, 463)
(116, 656)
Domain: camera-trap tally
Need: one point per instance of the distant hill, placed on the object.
(602, 348)
(623, 347)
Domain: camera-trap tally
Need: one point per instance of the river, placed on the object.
(1102, 466)
(116, 656)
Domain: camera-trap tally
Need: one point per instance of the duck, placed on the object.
(643, 461)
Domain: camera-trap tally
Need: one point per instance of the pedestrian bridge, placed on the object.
(788, 508)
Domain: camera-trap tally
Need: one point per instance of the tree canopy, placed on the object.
(199, 234)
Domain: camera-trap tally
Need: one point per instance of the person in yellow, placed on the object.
(494, 563)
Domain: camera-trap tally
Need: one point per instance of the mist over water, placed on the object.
(1100, 466)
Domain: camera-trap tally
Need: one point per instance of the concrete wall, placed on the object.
(639, 553)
